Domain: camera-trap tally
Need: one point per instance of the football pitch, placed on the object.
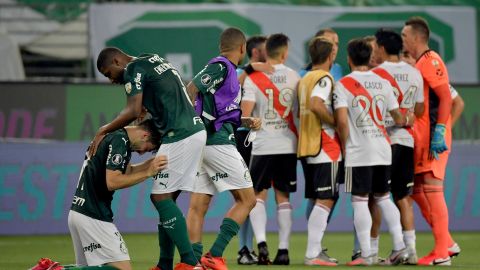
(21, 252)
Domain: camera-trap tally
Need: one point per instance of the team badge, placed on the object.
(323, 83)
(247, 177)
(128, 88)
(206, 79)
(435, 63)
(117, 159)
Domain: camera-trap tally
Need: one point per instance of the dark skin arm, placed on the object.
(126, 116)
(192, 91)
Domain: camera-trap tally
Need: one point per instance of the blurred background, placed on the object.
(52, 99)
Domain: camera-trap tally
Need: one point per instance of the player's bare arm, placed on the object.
(318, 107)
(247, 108)
(419, 109)
(131, 112)
(192, 91)
(400, 119)
(257, 66)
(457, 108)
(251, 122)
(117, 180)
(341, 118)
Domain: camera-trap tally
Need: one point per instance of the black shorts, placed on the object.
(367, 179)
(401, 171)
(307, 173)
(324, 177)
(277, 170)
(240, 137)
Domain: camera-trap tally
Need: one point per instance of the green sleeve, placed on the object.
(118, 154)
(210, 78)
(134, 79)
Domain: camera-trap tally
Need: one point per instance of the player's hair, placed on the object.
(276, 43)
(369, 38)
(231, 38)
(149, 126)
(253, 42)
(105, 57)
(323, 31)
(359, 51)
(390, 40)
(419, 25)
(320, 49)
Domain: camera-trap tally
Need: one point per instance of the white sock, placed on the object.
(374, 244)
(317, 223)
(258, 218)
(363, 223)
(409, 238)
(284, 218)
(392, 217)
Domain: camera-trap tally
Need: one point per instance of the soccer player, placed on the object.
(336, 69)
(319, 144)
(361, 101)
(216, 91)
(407, 84)
(256, 52)
(274, 160)
(96, 240)
(432, 134)
(153, 82)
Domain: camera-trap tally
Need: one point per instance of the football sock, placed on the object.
(173, 221)
(332, 209)
(197, 250)
(363, 222)
(228, 230)
(258, 218)
(167, 249)
(284, 219)
(419, 197)
(392, 217)
(317, 223)
(409, 238)
(374, 244)
(439, 218)
(356, 243)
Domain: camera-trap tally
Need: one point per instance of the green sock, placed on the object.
(167, 249)
(197, 250)
(173, 221)
(228, 230)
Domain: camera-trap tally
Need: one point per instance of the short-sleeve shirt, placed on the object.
(92, 197)
(330, 144)
(409, 82)
(275, 135)
(216, 74)
(164, 96)
(367, 98)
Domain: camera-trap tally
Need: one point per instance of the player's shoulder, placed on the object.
(428, 59)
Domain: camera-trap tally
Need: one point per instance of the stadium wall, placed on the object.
(45, 129)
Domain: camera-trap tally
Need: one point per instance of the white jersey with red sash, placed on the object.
(407, 84)
(275, 96)
(368, 98)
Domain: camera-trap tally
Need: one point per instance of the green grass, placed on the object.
(21, 252)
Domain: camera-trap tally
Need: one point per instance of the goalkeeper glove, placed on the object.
(438, 144)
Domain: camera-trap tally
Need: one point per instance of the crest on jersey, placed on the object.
(435, 63)
(128, 87)
(323, 83)
(206, 79)
(117, 159)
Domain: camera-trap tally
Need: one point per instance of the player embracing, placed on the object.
(274, 160)
(407, 85)
(361, 101)
(433, 138)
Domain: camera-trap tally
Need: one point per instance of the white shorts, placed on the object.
(95, 242)
(184, 159)
(222, 169)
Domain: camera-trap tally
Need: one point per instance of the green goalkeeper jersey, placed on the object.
(92, 197)
(164, 96)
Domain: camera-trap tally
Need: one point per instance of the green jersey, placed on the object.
(92, 197)
(216, 74)
(164, 96)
